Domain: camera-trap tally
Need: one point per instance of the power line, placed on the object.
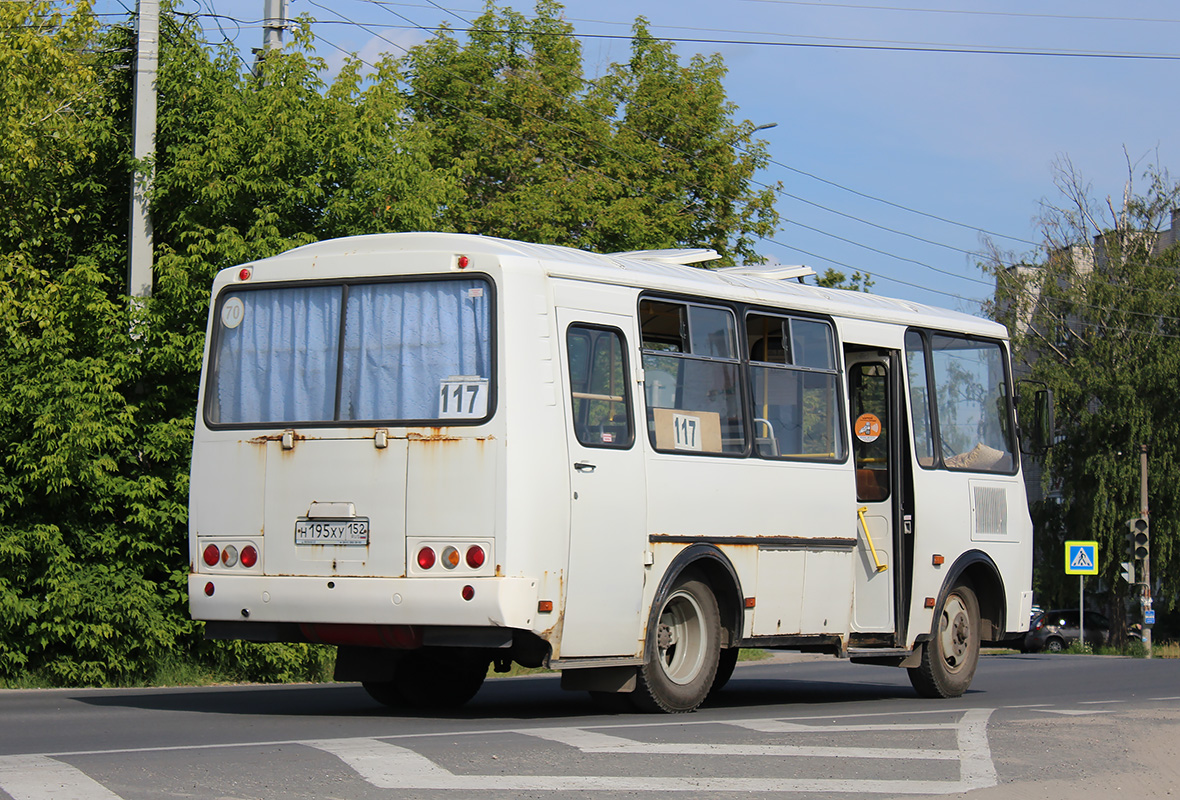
(768, 239)
(775, 189)
(970, 12)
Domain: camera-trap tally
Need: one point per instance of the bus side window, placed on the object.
(692, 386)
(870, 446)
(601, 400)
(794, 388)
(915, 360)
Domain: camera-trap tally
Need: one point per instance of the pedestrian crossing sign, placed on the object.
(1081, 558)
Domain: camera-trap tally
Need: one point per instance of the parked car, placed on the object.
(1057, 629)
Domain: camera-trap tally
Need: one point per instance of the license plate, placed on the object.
(332, 531)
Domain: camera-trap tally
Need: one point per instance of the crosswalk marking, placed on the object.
(44, 778)
(391, 766)
(591, 742)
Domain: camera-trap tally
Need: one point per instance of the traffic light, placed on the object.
(1138, 539)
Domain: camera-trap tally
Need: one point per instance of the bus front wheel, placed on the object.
(684, 646)
(950, 657)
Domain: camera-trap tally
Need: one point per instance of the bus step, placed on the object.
(876, 652)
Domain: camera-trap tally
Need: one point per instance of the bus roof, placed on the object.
(658, 273)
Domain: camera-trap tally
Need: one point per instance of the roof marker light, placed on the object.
(244, 274)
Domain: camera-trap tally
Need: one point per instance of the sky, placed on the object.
(906, 132)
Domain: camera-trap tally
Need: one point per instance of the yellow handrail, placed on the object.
(860, 512)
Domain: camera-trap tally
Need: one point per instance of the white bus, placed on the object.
(441, 452)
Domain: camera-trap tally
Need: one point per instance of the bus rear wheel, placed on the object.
(725, 666)
(950, 657)
(432, 678)
(685, 645)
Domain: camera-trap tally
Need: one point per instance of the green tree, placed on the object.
(646, 157)
(499, 136)
(1098, 320)
(835, 279)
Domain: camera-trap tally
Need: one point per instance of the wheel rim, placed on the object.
(954, 633)
(680, 638)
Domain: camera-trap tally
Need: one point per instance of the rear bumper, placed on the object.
(497, 602)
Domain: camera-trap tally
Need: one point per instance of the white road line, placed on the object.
(1065, 712)
(978, 769)
(43, 778)
(373, 760)
(778, 726)
(593, 742)
(390, 766)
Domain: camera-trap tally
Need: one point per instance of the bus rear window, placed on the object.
(398, 351)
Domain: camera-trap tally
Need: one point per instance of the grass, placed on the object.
(168, 673)
(1166, 650)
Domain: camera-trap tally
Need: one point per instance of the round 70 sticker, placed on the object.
(233, 312)
(867, 428)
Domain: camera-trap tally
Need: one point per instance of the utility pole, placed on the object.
(1147, 609)
(139, 256)
(274, 22)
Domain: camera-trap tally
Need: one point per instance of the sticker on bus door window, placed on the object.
(867, 428)
(463, 397)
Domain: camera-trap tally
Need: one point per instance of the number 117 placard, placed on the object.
(463, 398)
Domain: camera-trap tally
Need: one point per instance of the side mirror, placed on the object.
(1043, 426)
(1037, 426)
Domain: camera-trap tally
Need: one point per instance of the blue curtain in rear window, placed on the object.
(279, 363)
(401, 340)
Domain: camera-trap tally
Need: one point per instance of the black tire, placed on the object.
(949, 659)
(684, 638)
(432, 678)
(725, 667)
(1055, 645)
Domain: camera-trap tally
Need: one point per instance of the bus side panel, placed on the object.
(535, 489)
(715, 498)
(949, 522)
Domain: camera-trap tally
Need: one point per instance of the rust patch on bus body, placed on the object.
(445, 434)
(436, 434)
(559, 618)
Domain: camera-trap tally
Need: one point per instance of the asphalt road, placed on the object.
(1032, 726)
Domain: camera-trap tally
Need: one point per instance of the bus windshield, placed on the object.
(406, 351)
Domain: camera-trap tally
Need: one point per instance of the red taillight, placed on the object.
(468, 592)
(209, 589)
(249, 556)
(212, 555)
(475, 556)
(425, 558)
